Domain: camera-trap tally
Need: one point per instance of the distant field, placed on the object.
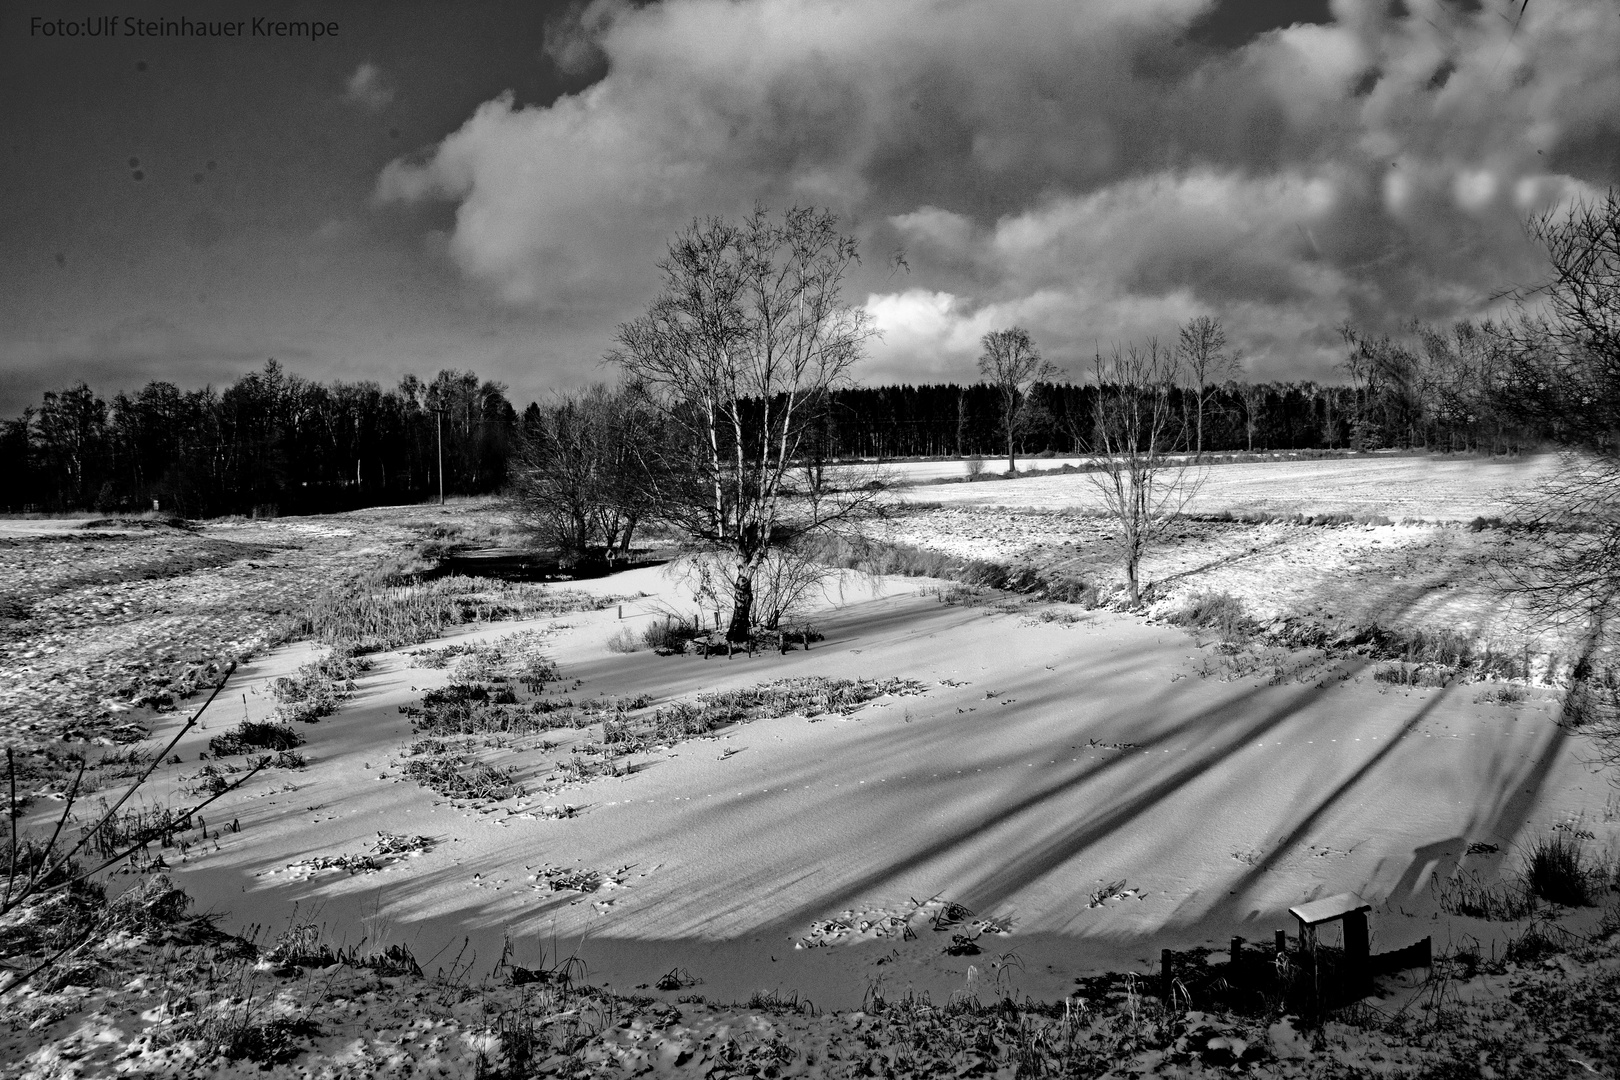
(922, 472)
(1431, 488)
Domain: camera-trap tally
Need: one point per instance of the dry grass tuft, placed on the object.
(253, 735)
(810, 696)
(1218, 611)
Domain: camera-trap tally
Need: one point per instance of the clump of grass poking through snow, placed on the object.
(1218, 611)
(456, 777)
(253, 735)
(624, 640)
(513, 658)
(1558, 869)
(470, 709)
(1467, 895)
(370, 616)
(811, 697)
(318, 688)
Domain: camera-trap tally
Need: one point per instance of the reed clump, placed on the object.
(375, 615)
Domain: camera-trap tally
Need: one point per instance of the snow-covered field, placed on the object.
(1088, 786)
(1044, 762)
(1395, 487)
(927, 472)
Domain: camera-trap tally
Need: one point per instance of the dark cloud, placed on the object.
(122, 356)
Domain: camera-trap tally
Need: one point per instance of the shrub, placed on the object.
(626, 640)
(1556, 869)
(671, 632)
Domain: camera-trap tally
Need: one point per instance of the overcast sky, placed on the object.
(488, 185)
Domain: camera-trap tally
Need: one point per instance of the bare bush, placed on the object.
(581, 488)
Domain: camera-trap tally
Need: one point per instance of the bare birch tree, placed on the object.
(1206, 363)
(1013, 365)
(1136, 432)
(738, 354)
(1253, 396)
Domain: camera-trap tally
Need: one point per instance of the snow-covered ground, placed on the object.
(926, 472)
(1045, 763)
(1394, 487)
(1092, 786)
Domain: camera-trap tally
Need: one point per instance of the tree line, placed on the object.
(276, 440)
(271, 442)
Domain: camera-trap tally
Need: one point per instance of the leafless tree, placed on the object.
(1206, 363)
(1560, 367)
(580, 487)
(1563, 355)
(1136, 433)
(1013, 365)
(1253, 396)
(738, 355)
(1464, 373)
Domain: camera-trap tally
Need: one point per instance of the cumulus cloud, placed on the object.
(368, 88)
(1086, 170)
